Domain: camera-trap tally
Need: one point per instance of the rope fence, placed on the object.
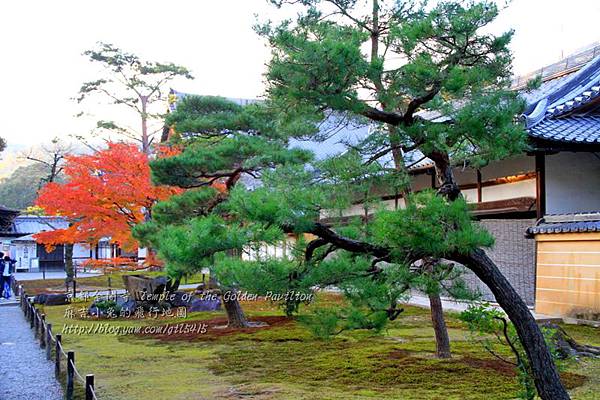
(64, 361)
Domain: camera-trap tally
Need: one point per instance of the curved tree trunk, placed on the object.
(442, 340)
(235, 314)
(545, 374)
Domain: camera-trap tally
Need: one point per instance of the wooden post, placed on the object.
(89, 387)
(540, 174)
(43, 331)
(70, 374)
(48, 341)
(58, 354)
(33, 311)
(74, 288)
(479, 187)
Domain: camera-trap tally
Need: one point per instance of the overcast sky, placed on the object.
(41, 67)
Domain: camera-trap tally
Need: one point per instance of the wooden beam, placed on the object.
(540, 186)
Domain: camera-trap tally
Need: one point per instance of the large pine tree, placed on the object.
(430, 83)
(429, 78)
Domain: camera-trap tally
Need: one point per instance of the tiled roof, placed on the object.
(569, 129)
(579, 89)
(565, 109)
(27, 224)
(566, 227)
(545, 88)
(567, 223)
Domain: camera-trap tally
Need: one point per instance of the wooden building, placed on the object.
(564, 126)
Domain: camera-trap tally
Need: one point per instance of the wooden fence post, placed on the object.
(33, 319)
(70, 374)
(42, 332)
(89, 387)
(58, 355)
(48, 341)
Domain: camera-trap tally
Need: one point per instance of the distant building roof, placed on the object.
(335, 133)
(567, 223)
(175, 96)
(29, 224)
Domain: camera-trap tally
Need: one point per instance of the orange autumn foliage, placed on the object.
(105, 195)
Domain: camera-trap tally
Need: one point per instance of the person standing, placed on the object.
(9, 269)
(4, 268)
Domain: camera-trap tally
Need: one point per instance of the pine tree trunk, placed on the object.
(235, 314)
(442, 340)
(145, 138)
(545, 374)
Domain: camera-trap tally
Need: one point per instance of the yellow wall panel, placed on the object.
(581, 258)
(568, 274)
(569, 246)
(567, 271)
(570, 285)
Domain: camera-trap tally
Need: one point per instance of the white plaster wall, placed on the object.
(24, 253)
(470, 195)
(572, 182)
(509, 190)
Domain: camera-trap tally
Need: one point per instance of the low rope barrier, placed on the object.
(43, 330)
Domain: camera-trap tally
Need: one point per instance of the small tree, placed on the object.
(105, 195)
(137, 84)
(51, 157)
(222, 145)
(491, 328)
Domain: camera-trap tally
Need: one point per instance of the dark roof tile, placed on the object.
(570, 129)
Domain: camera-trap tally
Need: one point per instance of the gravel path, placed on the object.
(24, 371)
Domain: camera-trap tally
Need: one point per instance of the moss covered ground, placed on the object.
(285, 362)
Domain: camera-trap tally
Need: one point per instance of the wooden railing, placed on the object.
(53, 344)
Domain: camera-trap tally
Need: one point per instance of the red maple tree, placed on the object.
(105, 195)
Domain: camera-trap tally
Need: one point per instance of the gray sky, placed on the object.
(42, 41)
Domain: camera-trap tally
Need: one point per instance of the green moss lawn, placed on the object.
(286, 362)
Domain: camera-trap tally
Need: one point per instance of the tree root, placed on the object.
(567, 347)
